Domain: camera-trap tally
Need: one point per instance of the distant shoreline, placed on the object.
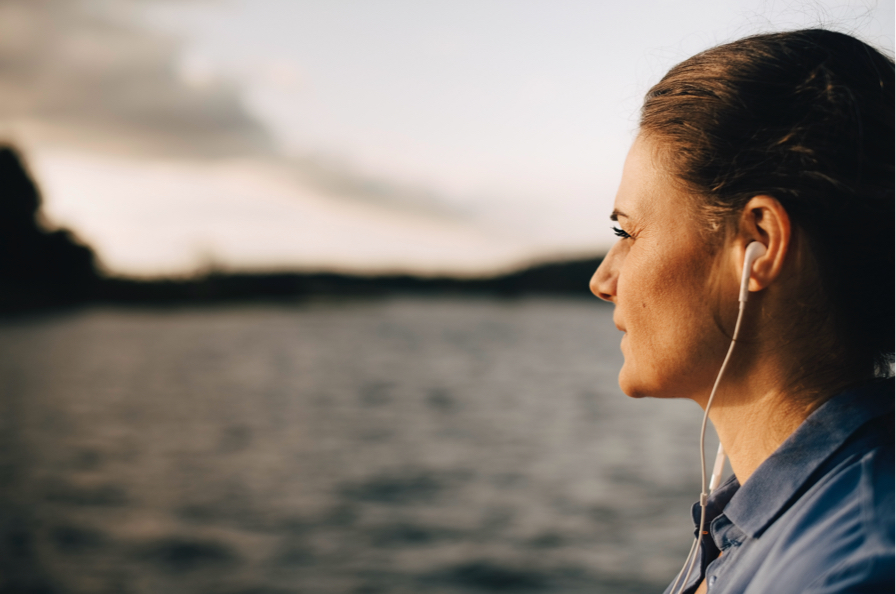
(568, 278)
(565, 278)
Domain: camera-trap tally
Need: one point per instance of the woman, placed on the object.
(785, 140)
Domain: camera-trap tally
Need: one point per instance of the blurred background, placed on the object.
(294, 294)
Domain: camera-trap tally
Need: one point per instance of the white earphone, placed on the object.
(754, 251)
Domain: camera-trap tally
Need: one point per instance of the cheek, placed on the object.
(649, 288)
(671, 333)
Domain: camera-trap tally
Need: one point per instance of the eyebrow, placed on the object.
(614, 216)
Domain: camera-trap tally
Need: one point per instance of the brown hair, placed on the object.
(807, 117)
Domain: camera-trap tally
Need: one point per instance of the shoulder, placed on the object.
(818, 515)
(844, 527)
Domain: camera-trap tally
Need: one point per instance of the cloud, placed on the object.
(86, 72)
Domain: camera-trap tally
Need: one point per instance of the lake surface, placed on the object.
(394, 446)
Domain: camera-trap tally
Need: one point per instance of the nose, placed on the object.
(603, 282)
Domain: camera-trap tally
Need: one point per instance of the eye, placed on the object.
(620, 233)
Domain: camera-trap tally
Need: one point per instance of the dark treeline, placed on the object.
(42, 269)
(38, 268)
(562, 278)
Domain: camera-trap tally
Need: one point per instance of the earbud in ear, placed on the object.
(754, 250)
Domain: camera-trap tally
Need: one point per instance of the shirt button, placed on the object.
(712, 580)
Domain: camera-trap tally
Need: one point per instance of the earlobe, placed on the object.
(765, 220)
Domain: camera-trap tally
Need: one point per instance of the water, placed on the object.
(393, 446)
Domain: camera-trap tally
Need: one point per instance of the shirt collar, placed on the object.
(775, 484)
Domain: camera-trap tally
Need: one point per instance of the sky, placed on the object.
(460, 137)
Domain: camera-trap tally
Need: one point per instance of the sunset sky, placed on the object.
(462, 136)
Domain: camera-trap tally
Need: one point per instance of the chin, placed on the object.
(635, 386)
(630, 387)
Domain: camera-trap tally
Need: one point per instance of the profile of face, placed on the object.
(659, 275)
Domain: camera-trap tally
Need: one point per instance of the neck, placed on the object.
(753, 415)
(750, 431)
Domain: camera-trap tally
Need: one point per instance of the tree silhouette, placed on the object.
(38, 267)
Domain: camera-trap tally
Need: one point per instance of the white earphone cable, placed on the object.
(704, 495)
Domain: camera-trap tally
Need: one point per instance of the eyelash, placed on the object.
(620, 233)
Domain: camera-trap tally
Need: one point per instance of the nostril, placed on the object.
(599, 289)
(594, 285)
(603, 281)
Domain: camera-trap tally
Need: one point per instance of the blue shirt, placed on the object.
(817, 515)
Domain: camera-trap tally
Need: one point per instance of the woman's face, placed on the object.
(658, 274)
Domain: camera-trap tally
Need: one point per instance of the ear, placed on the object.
(764, 219)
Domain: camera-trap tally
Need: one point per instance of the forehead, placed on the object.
(646, 190)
